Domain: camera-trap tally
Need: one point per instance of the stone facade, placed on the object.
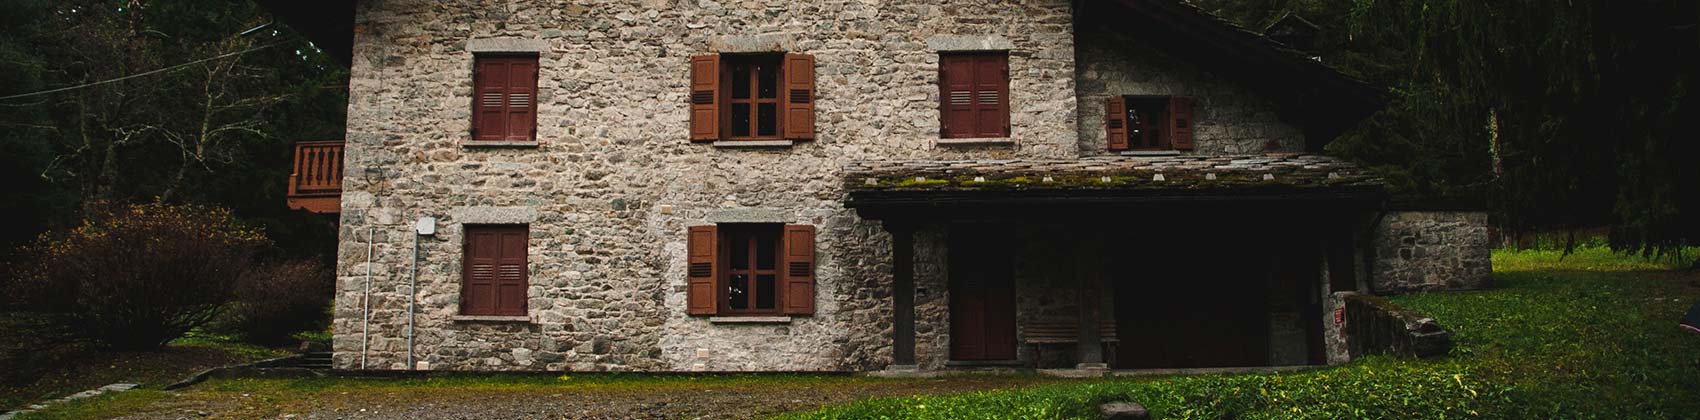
(1431, 250)
(1228, 118)
(612, 183)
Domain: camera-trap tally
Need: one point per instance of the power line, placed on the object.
(145, 73)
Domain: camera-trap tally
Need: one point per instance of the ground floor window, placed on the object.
(751, 269)
(494, 280)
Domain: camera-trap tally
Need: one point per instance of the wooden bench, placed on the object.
(1039, 334)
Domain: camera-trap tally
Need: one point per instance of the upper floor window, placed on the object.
(504, 98)
(974, 95)
(1148, 123)
(752, 97)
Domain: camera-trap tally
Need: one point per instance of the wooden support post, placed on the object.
(1088, 270)
(902, 294)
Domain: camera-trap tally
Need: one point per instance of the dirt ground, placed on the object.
(744, 399)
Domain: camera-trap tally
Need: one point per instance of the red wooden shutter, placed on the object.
(1115, 123)
(495, 275)
(991, 95)
(504, 104)
(799, 97)
(799, 269)
(702, 270)
(956, 96)
(705, 98)
(1180, 122)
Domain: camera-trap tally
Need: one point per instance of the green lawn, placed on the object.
(1593, 335)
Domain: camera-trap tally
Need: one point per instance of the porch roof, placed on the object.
(887, 188)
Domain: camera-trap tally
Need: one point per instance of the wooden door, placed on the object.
(982, 296)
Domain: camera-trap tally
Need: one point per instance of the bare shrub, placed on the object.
(138, 276)
(276, 300)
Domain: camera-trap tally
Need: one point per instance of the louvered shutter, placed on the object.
(956, 96)
(511, 272)
(702, 269)
(991, 99)
(705, 98)
(494, 278)
(504, 99)
(1115, 123)
(1180, 122)
(799, 269)
(799, 97)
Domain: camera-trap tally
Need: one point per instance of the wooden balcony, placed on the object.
(315, 184)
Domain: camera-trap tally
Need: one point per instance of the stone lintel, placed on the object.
(482, 215)
(752, 43)
(969, 43)
(749, 319)
(749, 215)
(506, 45)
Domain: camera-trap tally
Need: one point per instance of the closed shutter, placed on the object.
(974, 95)
(991, 95)
(504, 105)
(799, 97)
(1180, 122)
(1115, 123)
(495, 273)
(799, 269)
(701, 270)
(705, 98)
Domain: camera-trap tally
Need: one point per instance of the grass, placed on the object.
(1592, 335)
(88, 369)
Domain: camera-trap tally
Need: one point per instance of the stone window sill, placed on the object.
(749, 320)
(476, 144)
(1151, 153)
(982, 141)
(491, 318)
(741, 144)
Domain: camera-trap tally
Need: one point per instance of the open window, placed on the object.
(751, 269)
(1148, 123)
(741, 97)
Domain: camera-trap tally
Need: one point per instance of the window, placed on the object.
(494, 278)
(752, 97)
(1148, 123)
(504, 104)
(751, 269)
(974, 95)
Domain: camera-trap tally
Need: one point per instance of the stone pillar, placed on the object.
(1088, 271)
(902, 295)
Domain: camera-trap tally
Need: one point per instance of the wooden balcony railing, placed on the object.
(315, 184)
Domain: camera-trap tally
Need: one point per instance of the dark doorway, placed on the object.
(1178, 308)
(982, 295)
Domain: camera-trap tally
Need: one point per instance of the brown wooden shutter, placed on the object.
(991, 95)
(956, 96)
(1115, 123)
(504, 104)
(702, 270)
(705, 98)
(799, 97)
(494, 274)
(799, 269)
(1180, 122)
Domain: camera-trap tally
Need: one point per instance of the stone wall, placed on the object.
(1431, 250)
(613, 182)
(1228, 119)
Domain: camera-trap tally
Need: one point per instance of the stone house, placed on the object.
(842, 185)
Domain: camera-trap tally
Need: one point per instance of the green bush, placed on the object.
(138, 276)
(276, 300)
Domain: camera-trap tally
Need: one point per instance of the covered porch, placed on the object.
(1116, 263)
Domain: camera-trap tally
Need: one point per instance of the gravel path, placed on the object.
(663, 401)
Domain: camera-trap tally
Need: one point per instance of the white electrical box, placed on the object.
(427, 226)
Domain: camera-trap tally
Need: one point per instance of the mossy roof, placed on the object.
(1226, 173)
